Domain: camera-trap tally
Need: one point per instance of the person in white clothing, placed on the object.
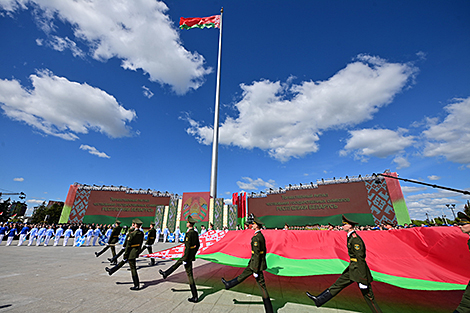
(49, 234)
(41, 234)
(58, 233)
(89, 235)
(78, 234)
(13, 232)
(166, 232)
(96, 235)
(32, 235)
(67, 234)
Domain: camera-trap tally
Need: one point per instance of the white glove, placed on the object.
(255, 275)
(184, 262)
(362, 286)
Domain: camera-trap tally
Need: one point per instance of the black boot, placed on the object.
(231, 283)
(268, 307)
(194, 293)
(323, 298)
(167, 273)
(152, 262)
(135, 279)
(112, 270)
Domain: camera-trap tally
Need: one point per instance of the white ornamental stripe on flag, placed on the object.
(206, 240)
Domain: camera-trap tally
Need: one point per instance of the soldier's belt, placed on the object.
(253, 252)
(133, 246)
(151, 237)
(353, 260)
(193, 247)
(115, 236)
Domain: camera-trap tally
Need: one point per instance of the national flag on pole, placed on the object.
(200, 22)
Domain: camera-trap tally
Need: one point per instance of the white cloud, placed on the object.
(434, 177)
(451, 137)
(401, 162)
(35, 201)
(287, 119)
(380, 143)
(61, 44)
(94, 151)
(147, 92)
(59, 107)
(254, 184)
(138, 32)
(18, 179)
(407, 189)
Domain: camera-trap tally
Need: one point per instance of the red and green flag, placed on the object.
(200, 22)
(421, 258)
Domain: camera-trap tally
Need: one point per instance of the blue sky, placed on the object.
(113, 93)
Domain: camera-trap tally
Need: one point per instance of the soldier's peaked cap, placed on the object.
(348, 221)
(137, 221)
(118, 222)
(464, 219)
(152, 223)
(257, 221)
(191, 220)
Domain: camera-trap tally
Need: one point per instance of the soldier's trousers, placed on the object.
(259, 280)
(343, 281)
(188, 267)
(149, 249)
(113, 250)
(133, 267)
(464, 305)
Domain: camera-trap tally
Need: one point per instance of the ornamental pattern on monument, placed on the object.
(79, 206)
(380, 203)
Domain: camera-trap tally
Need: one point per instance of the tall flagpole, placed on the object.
(215, 140)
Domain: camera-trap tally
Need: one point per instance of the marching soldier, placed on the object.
(256, 265)
(150, 241)
(191, 246)
(464, 225)
(133, 247)
(357, 271)
(113, 240)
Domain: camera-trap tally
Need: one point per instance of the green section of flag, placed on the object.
(401, 212)
(201, 26)
(276, 221)
(312, 267)
(64, 215)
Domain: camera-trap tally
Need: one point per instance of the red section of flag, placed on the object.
(191, 22)
(208, 239)
(437, 254)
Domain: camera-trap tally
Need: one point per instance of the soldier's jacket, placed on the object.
(258, 253)
(191, 245)
(114, 238)
(134, 244)
(151, 237)
(358, 269)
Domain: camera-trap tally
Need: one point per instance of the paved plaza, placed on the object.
(68, 279)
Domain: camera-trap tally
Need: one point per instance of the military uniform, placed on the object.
(357, 271)
(152, 234)
(113, 240)
(464, 305)
(132, 246)
(256, 266)
(191, 246)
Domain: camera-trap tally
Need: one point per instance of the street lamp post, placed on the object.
(451, 207)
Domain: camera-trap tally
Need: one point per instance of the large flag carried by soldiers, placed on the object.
(421, 258)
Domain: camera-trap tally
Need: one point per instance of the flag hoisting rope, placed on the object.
(216, 22)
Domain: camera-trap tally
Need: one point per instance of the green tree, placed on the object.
(54, 213)
(39, 214)
(5, 210)
(466, 208)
